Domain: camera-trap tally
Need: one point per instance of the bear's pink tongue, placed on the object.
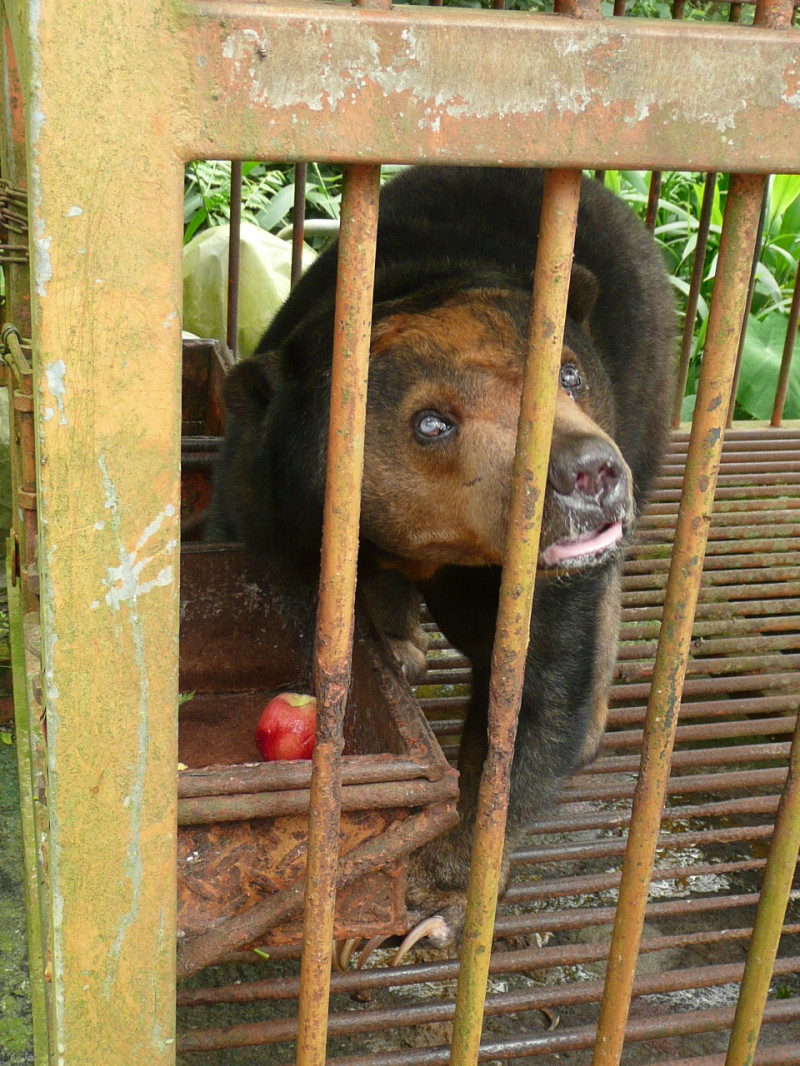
(587, 544)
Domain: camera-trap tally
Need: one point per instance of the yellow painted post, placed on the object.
(105, 193)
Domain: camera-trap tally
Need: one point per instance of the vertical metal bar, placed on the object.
(782, 859)
(298, 221)
(578, 9)
(234, 256)
(107, 383)
(652, 200)
(774, 14)
(698, 266)
(702, 465)
(551, 285)
(772, 903)
(745, 317)
(337, 593)
(786, 358)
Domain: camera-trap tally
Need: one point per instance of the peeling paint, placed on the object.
(73, 212)
(55, 373)
(124, 589)
(42, 267)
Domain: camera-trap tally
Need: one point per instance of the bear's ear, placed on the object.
(247, 391)
(583, 293)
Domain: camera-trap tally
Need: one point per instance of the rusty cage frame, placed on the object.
(94, 602)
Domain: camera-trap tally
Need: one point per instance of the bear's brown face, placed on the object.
(445, 389)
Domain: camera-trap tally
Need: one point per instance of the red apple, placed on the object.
(286, 728)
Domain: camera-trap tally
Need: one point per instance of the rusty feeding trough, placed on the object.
(247, 633)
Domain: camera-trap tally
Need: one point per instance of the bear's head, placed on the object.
(445, 385)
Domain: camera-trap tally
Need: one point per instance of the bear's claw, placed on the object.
(434, 929)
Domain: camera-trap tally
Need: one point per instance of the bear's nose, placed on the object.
(588, 470)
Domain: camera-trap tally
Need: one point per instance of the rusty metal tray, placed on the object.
(247, 633)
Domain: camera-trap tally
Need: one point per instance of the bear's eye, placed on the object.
(570, 379)
(431, 426)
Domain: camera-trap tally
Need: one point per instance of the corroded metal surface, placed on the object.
(337, 593)
(702, 464)
(692, 299)
(365, 86)
(551, 283)
(729, 767)
(786, 358)
(106, 295)
(247, 632)
(411, 84)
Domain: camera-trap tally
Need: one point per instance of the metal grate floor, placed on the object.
(740, 701)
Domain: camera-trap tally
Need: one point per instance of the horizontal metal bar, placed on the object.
(415, 83)
(640, 1028)
(575, 821)
(584, 884)
(362, 1021)
(515, 960)
(736, 754)
(376, 796)
(726, 555)
(596, 849)
(724, 708)
(717, 610)
(585, 790)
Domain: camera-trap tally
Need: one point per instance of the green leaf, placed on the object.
(612, 181)
(279, 207)
(761, 360)
(687, 407)
(784, 190)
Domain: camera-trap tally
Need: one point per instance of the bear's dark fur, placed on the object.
(455, 257)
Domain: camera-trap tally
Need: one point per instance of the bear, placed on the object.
(455, 257)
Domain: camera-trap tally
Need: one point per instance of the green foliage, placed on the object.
(676, 231)
(268, 198)
(267, 194)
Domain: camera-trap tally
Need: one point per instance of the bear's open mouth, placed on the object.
(594, 543)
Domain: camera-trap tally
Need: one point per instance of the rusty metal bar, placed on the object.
(685, 785)
(773, 900)
(774, 14)
(298, 220)
(551, 283)
(234, 257)
(268, 777)
(514, 960)
(362, 69)
(702, 464)
(350, 1022)
(337, 592)
(642, 1028)
(604, 849)
(202, 810)
(742, 806)
(698, 268)
(652, 200)
(788, 351)
(578, 9)
(750, 289)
